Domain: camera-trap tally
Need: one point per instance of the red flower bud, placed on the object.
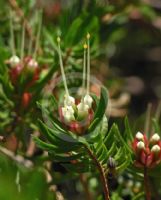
(155, 139)
(36, 74)
(26, 98)
(147, 156)
(78, 127)
(75, 127)
(14, 73)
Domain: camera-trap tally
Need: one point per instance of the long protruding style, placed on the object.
(88, 63)
(22, 42)
(30, 46)
(62, 67)
(84, 67)
(147, 120)
(38, 35)
(12, 35)
(30, 43)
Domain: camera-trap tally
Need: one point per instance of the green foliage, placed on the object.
(123, 35)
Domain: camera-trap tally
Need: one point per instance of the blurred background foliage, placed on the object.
(125, 57)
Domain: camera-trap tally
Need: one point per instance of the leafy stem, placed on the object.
(146, 184)
(102, 173)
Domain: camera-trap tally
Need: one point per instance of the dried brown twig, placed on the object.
(17, 158)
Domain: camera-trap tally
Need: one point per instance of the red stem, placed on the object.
(146, 185)
(102, 174)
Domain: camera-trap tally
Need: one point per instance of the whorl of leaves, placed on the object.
(82, 153)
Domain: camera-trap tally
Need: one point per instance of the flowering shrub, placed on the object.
(69, 75)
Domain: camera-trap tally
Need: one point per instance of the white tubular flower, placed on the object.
(139, 136)
(32, 63)
(155, 149)
(69, 100)
(68, 113)
(140, 145)
(82, 110)
(155, 138)
(14, 60)
(88, 100)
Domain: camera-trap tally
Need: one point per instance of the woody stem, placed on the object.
(102, 173)
(146, 185)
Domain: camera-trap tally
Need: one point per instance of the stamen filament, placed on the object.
(38, 35)
(88, 63)
(147, 120)
(84, 67)
(12, 35)
(30, 46)
(22, 42)
(32, 35)
(61, 67)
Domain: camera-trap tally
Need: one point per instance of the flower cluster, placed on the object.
(27, 67)
(147, 151)
(23, 70)
(77, 113)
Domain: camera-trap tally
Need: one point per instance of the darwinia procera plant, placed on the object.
(78, 136)
(78, 142)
